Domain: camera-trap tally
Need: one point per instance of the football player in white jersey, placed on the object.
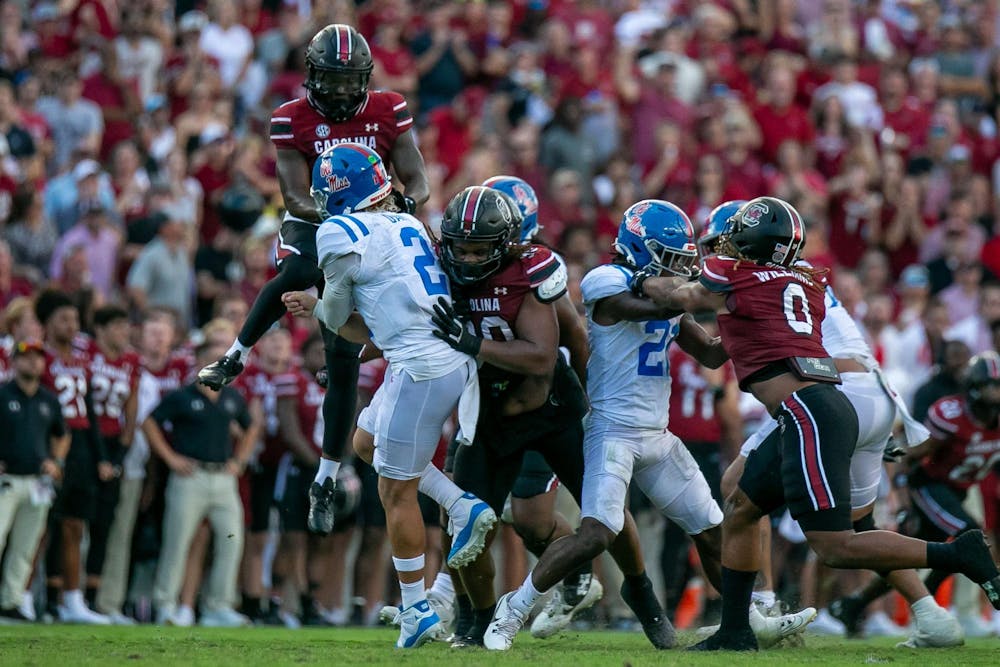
(877, 406)
(379, 261)
(626, 430)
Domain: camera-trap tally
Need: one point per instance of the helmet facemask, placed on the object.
(673, 261)
(337, 93)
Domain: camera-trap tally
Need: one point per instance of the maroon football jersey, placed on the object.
(382, 117)
(970, 450)
(692, 399)
(774, 313)
(309, 400)
(68, 377)
(255, 382)
(495, 302)
(113, 381)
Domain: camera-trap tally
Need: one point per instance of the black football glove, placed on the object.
(450, 329)
(409, 204)
(893, 452)
(637, 280)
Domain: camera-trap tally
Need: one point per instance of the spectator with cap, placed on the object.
(32, 454)
(75, 121)
(100, 239)
(189, 66)
(913, 290)
(204, 467)
(85, 182)
(162, 275)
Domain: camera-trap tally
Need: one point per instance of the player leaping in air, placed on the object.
(337, 108)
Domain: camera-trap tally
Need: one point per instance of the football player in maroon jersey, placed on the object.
(337, 108)
(68, 376)
(115, 371)
(963, 448)
(531, 399)
(760, 295)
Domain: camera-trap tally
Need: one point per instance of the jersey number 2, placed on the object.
(656, 349)
(424, 263)
(797, 305)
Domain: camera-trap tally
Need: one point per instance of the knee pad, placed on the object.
(534, 544)
(865, 523)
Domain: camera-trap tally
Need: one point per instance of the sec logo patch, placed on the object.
(322, 130)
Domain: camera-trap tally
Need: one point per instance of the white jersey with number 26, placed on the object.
(628, 375)
(394, 286)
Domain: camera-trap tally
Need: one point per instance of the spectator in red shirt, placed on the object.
(118, 99)
(217, 148)
(650, 101)
(671, 174)
(903, 114)
(795, 181)
(395, 68)
(855, 215)
(256, 18)
(778, 117)
(832, 136)
(744, 175)
(189, 66)
(456, 127)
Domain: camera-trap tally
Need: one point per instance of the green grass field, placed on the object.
(70, 646)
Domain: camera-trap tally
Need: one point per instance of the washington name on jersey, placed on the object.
(382, 117)
(628, 374)
(782, 304)
(970, 450)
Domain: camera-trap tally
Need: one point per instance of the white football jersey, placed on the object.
(841, 336)
(397, 282)
(628, 375)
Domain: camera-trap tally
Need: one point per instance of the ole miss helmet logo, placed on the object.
(336, 183)
(633, 222)
(527, 204)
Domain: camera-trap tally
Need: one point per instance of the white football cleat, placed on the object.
(558, 614)
(444, 608)
(936, 629)
(770, 630)
(75, 610)
(389, 614)
(224, 618)
(418, 624)
(505, 625)
(27, 606)
(470, 521)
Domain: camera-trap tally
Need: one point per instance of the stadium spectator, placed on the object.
(100, 241)
(31, 234)
(162, 275)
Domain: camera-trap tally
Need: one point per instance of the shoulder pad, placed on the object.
(339, 234)
(942, 417)
(554, 286)
(716, 273)
(605, 281)
(539, 263)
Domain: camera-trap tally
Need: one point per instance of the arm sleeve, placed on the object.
(281, 127)
(337, 303)
(165, 411)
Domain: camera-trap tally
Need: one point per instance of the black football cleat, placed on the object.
(220, 373)
(320, 518)
(849, 611)
(730, 641)
(976, 562)
(647, 609)
(467, 640)
(323, 377)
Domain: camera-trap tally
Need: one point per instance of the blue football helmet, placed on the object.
(347, 178)
(716, 224)
(526, 200)
(658, 236)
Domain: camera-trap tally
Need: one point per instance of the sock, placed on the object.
(924, 606)
(251, 606)
(465, 615)
(766, 598)
(239, 350)
(940, 555)
(91, 596)
(436, 485)
(481, 619)
(412, 593)
(443, 586)
(327, 468)
(737, 589)
(52, 595)
(525, 597)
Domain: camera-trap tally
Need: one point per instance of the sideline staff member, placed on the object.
(203, 484)
(34, 444)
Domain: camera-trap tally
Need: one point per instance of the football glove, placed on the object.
(449, 328)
